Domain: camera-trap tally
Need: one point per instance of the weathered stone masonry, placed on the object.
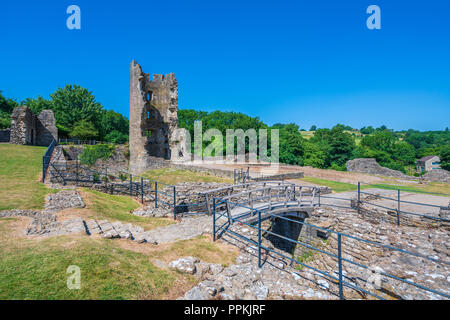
(154, 128)
(27, 128)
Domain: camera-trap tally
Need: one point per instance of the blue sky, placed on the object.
(308, 62)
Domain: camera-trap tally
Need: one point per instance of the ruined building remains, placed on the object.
(27, 128)
(154, 131)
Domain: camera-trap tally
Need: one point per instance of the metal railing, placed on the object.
(241, 176)
(47, 157)
(398, 205)
(82, 142)
(124, 183)
(338, 277)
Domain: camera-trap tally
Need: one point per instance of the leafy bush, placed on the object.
(96, 177)
(91, 154)
(84, 130)
(116, 137)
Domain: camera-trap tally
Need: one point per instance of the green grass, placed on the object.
(175, 176)
(336, 186)
(436, 187)
(38, 270)
(20, 170)
(433, 187)
(100, 205)
(110, 269)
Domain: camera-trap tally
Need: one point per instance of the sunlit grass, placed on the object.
(100, 205)
(20, 171)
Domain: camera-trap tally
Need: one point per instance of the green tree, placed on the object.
(73, 104)
(313, 156)
(445, 157)
(6, 108)
(84, 130)
(116, 137)
(380, 140)
(404, 153)
(37, 104)
(368, 130)
(313, 128)
(113, 126)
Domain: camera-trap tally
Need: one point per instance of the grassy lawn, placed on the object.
(419, 188)
(433, 187)
(20, 171)
(110, 269)
(174, 176)
(100, 205)
(336, 186)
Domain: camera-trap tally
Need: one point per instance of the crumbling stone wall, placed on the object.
(371, 166)
(154, 128)
(27, 128)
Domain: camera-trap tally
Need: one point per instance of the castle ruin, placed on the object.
(29, 129)
(154, 131)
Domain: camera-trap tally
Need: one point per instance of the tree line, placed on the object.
(332, 148)
(79, 115)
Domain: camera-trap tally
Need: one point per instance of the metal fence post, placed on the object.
(259, 239)
(106, 180)
(131, 185)
(156, 194)
(174, 202)
(76, 175)
(43, 169)
(359, 197)
(341, 291)
(214, 219)
(142, 190)
(398, 207)
(319, 197)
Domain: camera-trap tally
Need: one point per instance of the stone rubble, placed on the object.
(279, 277)
(63, 200)
(244, 281)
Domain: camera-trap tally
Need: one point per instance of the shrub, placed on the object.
(91, 154)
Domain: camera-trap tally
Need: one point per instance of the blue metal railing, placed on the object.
(219, 230)
(46, 158)
(131, 184)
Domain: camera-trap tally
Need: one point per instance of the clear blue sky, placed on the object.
(308, 62)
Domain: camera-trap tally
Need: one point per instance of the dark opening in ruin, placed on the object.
(149, 96)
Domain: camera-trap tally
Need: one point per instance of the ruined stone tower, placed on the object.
(154, 129)
(27, 128)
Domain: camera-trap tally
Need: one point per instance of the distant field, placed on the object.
(307, 134)
(20, 171)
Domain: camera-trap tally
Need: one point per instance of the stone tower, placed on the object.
(154, 129)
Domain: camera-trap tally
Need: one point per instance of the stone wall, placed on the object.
(29, 129)
(439, 175)
(371, 166)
